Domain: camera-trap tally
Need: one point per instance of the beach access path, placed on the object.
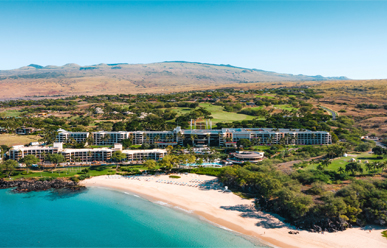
(232, 212)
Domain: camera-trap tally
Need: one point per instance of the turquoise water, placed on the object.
(103, 218)
(203, 164)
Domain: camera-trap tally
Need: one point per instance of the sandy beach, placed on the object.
(232, 212)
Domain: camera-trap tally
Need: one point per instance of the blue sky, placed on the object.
(329, 38)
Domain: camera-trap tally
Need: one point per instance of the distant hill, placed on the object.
(73, 79)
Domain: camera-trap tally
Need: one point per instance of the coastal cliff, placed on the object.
(36, 185)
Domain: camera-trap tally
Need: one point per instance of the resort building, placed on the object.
(161, 138)
(109, 138)
(205, 137)
(246, 156)
(24, 130)
(68, 137)
(270, 136)
(142, 155)
(89, 155)
(18, 152)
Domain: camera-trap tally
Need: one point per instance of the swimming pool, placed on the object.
(206, 164)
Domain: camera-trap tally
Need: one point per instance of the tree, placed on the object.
(363, 147)
(150, 164)
(90, 139)
(118, 156)
(49, 136)
(244, 143)
(29, 160)
(9, 167)
(168, 161)
(55, 158)
(326, 162)
(353, 167)
(126, 143)
(379, 150)
(169, 148)
(369, 166)
(199, 162)
(341, 170)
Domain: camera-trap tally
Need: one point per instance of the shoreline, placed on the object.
(226, 210)
(200, 215)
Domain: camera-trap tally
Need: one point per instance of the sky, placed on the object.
(328, 38)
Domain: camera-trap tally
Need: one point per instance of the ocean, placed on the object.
(99, 217)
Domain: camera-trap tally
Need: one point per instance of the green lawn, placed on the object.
(285, 107)
(101, 146)
(268, 96)
(12, 113)
(64, 172)
(69, 172)
(218, 113)
(341, 162)
(223, 116)
(256, 108)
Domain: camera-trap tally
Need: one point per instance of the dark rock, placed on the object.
(35, 185)
(312, 221)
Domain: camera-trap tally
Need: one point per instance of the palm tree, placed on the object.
(259, 139)
(326, 162)
(156, 138)
(369, 166)
(341, 170)
(383, 166)
(282, 141)
(181, 136)
(131, 137)
(89, 154)
(220, 136)
(106, 138)
(208, 138)
(90, 139)
(147, 138)
(313, 138)
(193, 139)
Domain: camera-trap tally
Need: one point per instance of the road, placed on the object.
(378, 143)
(330, 111)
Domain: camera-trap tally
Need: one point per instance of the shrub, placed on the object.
(363, 147)
(46, 179)
(172, 176)
(309, 177)
(207, 171)
(83, 177)
(74, 179)
(317, 188)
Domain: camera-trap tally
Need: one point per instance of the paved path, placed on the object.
(331, 111)
(378, 143)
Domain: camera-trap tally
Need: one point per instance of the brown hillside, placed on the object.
(163, 77)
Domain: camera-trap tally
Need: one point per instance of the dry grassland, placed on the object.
(13, 139)
(345, 95)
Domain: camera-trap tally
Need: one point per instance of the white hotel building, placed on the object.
(205, 137)
(102, 154)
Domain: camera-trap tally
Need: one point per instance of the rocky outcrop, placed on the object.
(36, 185)
(320, 223)
(312, 221)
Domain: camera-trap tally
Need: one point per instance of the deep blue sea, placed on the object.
(100, 217)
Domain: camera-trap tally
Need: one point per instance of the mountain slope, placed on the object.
(72, 79)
